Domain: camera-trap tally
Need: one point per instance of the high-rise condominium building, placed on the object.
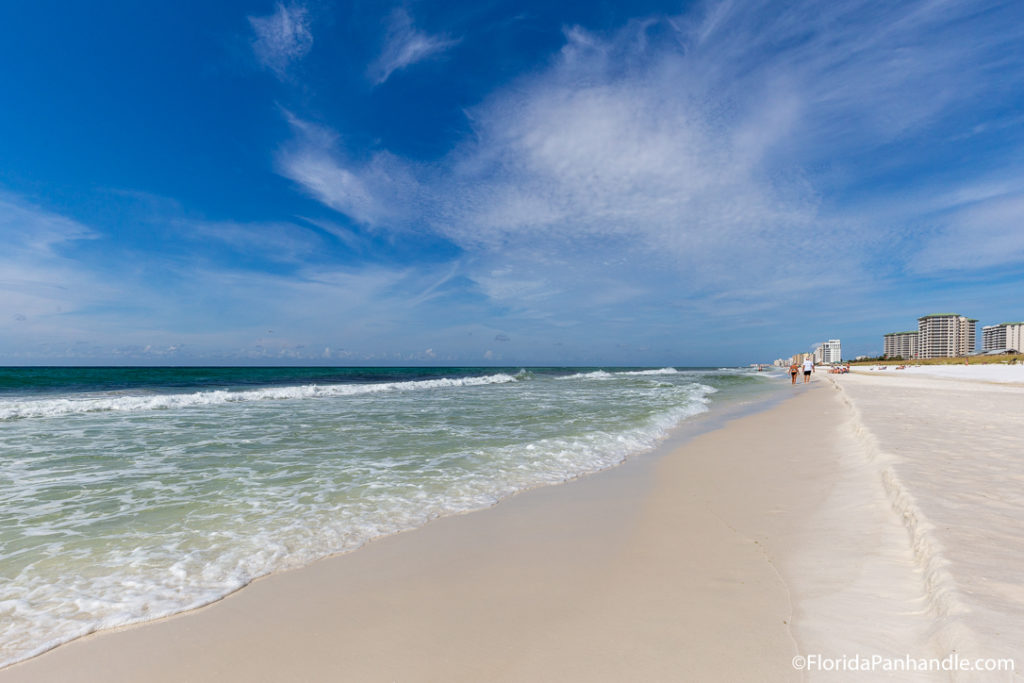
(944, 335)
(901, 345)
(829, 352)
(1003, 336)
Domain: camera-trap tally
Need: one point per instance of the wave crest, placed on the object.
(604, 374)
(15, 410)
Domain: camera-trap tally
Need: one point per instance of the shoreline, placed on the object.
(562, 552)
(38, 624)
(687, 428)
(750, 537)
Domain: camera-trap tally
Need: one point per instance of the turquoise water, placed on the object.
(133, 493)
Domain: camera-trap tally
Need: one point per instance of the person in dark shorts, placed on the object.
(808, 369)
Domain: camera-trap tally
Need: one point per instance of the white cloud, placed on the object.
(620, 158)
(714, 165)
(347, 236)
(32, 230)
(374, 192)
(405, 45)
(59, 304)
(980, 234)
(282, 38)
(36, 279)
(276, 241)
(586, 160)
(675, 154)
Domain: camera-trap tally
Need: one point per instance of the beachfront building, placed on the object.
(993, 337)
(1003, 336)
(945, 335)
(829, 352)
(900, 345)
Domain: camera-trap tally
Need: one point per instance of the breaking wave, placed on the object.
(14, 410)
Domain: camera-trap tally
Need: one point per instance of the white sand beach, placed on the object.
(995, 372)
(950, 449)
(866, 516)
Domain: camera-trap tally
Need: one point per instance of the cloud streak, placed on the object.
(378, 191)
(40, 283)
(405, 45)
(976, 235)
(683, 152)
(282, 38)
(59, 304)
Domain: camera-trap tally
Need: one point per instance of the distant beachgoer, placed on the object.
(808, 369)
(793, 369)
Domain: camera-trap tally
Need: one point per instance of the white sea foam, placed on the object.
(597, 374)
(17, 409)
(660, 371)
(605, 375)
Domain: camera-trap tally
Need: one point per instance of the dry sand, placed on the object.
(950, 452)
(719, 560)
(996, 372)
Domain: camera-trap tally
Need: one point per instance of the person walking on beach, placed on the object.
(808, 369)
(793, 369)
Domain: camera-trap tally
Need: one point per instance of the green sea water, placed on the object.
(133, 493)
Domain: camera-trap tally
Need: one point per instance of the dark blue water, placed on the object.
(70, 380)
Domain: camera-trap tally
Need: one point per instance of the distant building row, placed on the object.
(949, 335)
(826, 352)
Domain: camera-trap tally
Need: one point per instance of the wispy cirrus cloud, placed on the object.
(696, 153)
(280, 241)
(58, 302)
(377, 191)
(281, 38)
(29, 230)
(405, 45)
(984, 233)
(38, 279)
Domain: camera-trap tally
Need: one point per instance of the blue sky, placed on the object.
(503, 183)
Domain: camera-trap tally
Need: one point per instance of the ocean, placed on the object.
(129, 494)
